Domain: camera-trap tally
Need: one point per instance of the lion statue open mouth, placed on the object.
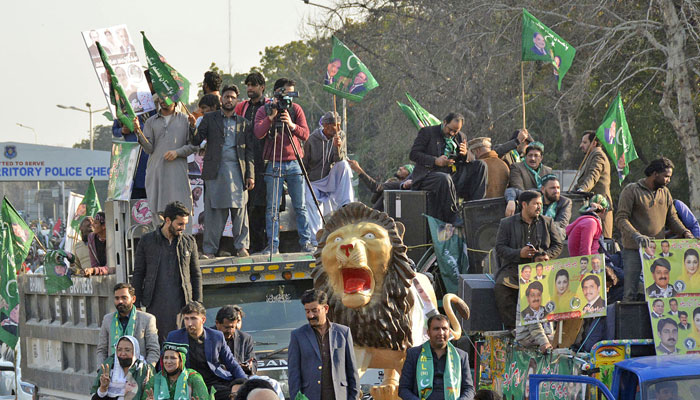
(373, 288)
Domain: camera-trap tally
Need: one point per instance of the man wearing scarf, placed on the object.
(527, 174)
(175, 381)
(126, 376)
(127, 320)
(436, 370)
(554, 205)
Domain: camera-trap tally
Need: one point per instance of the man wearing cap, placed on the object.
(528, 174)
(442, 167)
(595, 175)
(400, 181)
(585, 232)
(645, 210)
(660, 269)
(325, 155)
(498, 171)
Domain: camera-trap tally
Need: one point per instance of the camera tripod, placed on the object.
(277, 176)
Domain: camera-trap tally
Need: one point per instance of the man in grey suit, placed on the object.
(127, 320)
(321, 357)
(228, 174)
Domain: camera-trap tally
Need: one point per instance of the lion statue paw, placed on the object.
(384, 392)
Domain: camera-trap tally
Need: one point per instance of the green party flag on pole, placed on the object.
(450, 250)
(117, 96)
(88, 207)
(346, 76)
(408, 111)
(56, 272)
(419, 116)
(539, 43)
(20, 235)
(9, 296)
(167, 82)
(614, 134)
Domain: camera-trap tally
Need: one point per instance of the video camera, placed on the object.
(284, 101)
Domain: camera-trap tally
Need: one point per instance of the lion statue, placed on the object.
(373, 288)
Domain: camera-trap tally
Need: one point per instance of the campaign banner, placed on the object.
(194, 166)
(120, 49)
(672, 290)
(72, 235)
(565, 288)
(125, 158)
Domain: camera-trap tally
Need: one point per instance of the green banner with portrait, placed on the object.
(346, 76)
(539, 43)
(672, 289)
(565, 288)
(125, 158)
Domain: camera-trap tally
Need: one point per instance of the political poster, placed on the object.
(125, 157)
(194, 166)
(72, 235)
(561, 289)
(672, 290)
(120, 49)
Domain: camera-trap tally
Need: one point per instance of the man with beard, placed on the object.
(526, 175)
(228, 174)
(554, 205)
(321, 356)
(645, 209)
(595, 175)
(660, 270)
(241, 344)
(127, 320)
(255, 83)
(523, 238)
(668, 334)
(498, 171)
(166, 269)
(400, 181)
(208, 353)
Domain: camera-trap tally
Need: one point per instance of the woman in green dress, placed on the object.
(175, 381)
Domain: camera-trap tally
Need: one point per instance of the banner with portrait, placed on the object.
(121, 51)
(195, 162)
(561, 289)
(72, 234)
(672, 290)
(125, 158)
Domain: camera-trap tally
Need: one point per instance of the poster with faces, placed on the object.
(561, 289)
(123, 58)
(672, 290)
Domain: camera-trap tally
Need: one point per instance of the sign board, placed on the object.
(30, 162)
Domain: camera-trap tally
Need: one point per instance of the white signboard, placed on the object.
(31, 162)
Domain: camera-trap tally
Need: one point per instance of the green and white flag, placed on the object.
(614, 134)
(117, 96)
(125, 158)
(539, 43)
(167, 82)
(9, 296)
(346, 76)
(20, 235)
(451, 251)
(419, 116)
(56, 272)
(88, 207)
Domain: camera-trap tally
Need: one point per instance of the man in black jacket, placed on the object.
(228, 174)
(442, 167)
(166, 270)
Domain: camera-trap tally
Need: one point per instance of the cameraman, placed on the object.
(272, 123)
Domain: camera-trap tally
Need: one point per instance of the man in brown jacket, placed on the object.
(497, 169)
(528, 174)
(644, 210)
(595, 175)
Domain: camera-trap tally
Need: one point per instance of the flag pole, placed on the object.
(573, 181)
(522, 89)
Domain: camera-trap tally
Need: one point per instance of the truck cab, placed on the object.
(670, 377)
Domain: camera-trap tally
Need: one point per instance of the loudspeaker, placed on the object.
(481, 219)
(477, 291)
(408, 207)
(632, 320)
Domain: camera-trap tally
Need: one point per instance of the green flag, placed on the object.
(9, 297)
(167, 82)
(20, 234)
(124, 110)
(541, 44)
(88, 207)
(56, 272)
(125, 157)
(346, 75)
(614, 135)
(408, 111)
(419, 116)
(450, 251)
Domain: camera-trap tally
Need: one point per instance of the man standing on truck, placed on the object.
(436, 370)
(166, 269)
(127, 320)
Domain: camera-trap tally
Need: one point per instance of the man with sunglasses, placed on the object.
(443, 168)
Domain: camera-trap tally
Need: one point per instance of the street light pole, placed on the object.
(36, 138)
(90, 112)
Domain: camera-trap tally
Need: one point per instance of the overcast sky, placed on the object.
(45, 61)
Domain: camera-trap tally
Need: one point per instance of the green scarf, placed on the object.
(164, 389)
(536, 174)
(451, 379)
(116, 330)
(516, 156)
(551, 210)
(450, 146)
